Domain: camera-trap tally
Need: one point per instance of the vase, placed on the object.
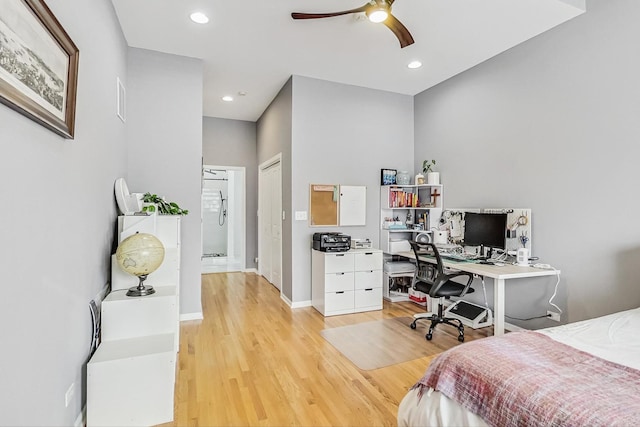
(433, 178)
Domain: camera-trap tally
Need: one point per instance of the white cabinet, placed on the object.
(130, 382)
(346, 282)
(422, 202)
(129, 317)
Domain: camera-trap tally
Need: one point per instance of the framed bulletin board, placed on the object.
(323, 205)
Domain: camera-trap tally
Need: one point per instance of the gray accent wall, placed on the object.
(330, 133)
(552, 124)
(274, 137)
(345, 135)
(57, 227)
(233, 143)
(164, 136)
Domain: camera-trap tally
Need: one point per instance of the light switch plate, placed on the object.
(301, 215)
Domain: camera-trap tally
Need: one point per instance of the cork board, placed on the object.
(324, 205)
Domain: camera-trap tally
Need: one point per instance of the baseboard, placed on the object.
(299, 304)
(284, 298)
(251, 270)
(513, 328)
(191, 316)
(81, 418)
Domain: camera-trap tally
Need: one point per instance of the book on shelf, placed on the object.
(403, 199)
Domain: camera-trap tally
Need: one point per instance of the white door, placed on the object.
(270, 222)
(276, 225)
(264, 219)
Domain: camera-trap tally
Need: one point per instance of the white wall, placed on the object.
(57, 227)
(552, 124)
(164, 136)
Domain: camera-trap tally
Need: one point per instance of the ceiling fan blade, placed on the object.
(399, 30)
(300, 15)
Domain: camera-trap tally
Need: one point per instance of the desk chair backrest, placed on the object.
(431, 278)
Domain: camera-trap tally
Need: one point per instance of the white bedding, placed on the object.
(615, 337)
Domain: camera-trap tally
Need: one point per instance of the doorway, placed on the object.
(270, 221)
(223, 219)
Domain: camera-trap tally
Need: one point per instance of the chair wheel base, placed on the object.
(413, 325)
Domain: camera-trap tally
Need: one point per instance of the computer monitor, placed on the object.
(485, 229)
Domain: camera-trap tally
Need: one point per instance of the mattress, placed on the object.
(613, 337)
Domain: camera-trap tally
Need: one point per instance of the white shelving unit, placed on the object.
(131, 376)
(396, 201)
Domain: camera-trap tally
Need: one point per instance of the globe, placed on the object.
(140, 255)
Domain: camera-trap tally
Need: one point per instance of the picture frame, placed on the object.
(388, 176)
(38, 66)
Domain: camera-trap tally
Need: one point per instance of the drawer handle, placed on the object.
(368, 253)
(340, 292)
(339, 274)
(368, 289)
(339, 254)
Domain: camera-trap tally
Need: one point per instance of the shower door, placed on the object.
(214, 214)
(223, 219)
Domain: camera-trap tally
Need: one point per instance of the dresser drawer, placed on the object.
(368, 279)
(368, 261)
(337, 263)
(368, 299)
(339, 302)
(334, 282)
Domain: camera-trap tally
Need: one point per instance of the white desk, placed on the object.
(499, 276)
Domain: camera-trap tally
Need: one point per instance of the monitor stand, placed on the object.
(482, 256)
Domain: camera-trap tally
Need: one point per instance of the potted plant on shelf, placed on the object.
(428, 167)
(153, 203)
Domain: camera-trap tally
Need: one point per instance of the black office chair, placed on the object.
(431, 279)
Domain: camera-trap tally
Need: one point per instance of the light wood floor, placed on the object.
(253, 361)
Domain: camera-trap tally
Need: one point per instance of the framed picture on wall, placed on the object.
(38, 65)
(388, 176)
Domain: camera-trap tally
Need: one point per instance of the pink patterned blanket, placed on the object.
(528, 379)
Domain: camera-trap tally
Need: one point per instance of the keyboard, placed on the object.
(455, 257)
(458, 257)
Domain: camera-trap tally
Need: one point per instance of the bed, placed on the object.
(580, 374)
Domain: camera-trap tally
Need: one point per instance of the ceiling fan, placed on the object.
(376, 11)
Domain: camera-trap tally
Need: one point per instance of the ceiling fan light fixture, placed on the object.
(378, 15)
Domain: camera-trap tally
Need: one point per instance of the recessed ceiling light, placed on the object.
(199, 18)
(414, 64)
(227, 98)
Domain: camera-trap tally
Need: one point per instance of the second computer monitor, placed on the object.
(485, 229)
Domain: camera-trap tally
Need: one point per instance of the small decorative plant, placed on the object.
(428, 166)
(164, 207)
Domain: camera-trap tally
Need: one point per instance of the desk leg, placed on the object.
(498, 307)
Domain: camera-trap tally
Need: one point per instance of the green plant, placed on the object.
(428, 166)
(164, 207)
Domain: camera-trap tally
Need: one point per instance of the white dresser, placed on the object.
(346, 282)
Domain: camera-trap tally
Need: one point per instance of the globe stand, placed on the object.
(141, 290)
